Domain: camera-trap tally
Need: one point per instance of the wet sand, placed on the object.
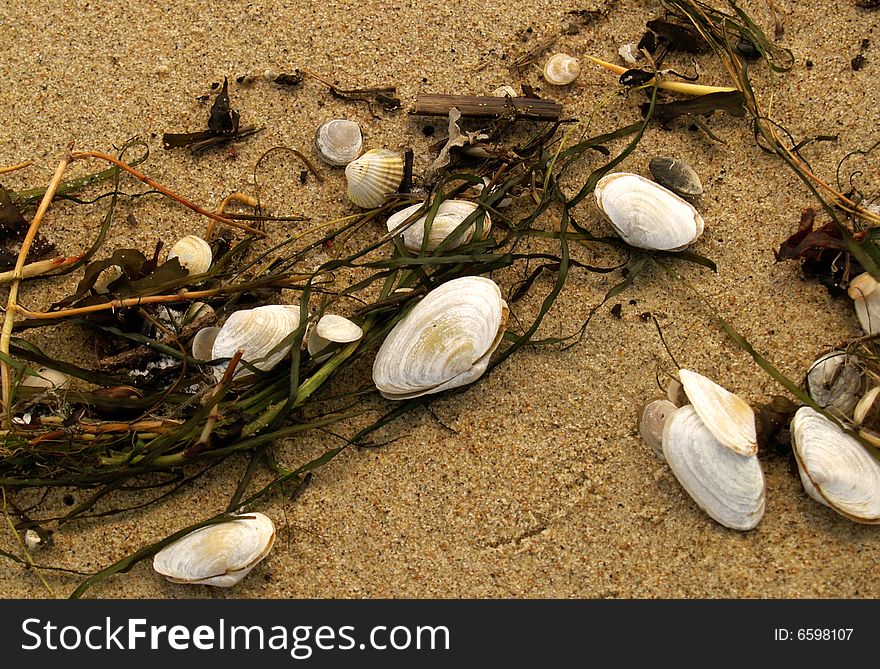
(534, 483)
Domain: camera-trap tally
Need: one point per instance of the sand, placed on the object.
(534, 483)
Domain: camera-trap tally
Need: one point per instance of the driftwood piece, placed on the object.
(486, 106)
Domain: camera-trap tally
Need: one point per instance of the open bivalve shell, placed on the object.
(339, 142)
(258, 333)
(331, 329)
(728, 417)
(373, 177)
(651, 422)
(647, 215)
(47, 379)
(835, 469)
(220, 554)
(866, 299)
(726, 485)
(836, 381)
(444, 342)
(450, 214)
(193, 253)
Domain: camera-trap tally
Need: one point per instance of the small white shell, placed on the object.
(220, 554)
(836, 381)
(726, 485)
(864, 405)
(202, 344)
(444, 342)
(729, 418)
(373, 177)
(331, 329)
(866, 299)
(630, 53)
(504, 92)
(339, 142)
(561, 69)
(835, 469)
(651, 422)
(647, 215)
(32, 540)
(47, 379)
(450, 214)
(193, 253)
(196, 311)
(257, 332)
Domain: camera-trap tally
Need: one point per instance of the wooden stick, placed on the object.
(672, 86)
(479, 106)
(37, 268)
(13, 168)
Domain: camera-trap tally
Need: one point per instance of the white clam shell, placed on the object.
(258, 333)
(196, 311)
(561, 69)
(866, 299)
(193, 253)
(373, 177)
(647, 215)
(220, 554)
(331, 329)
(450, 214)
(444, 342)
(651, 422)
(836, 381)
(835, 469)
(47, 379)
(339, 141)
(202, 344)
(726, 485)
(730, 418)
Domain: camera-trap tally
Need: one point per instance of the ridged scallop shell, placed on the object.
(450, 214)
(258, 332)
(651, 421)
(647, 215)
(47, 379)
(220, 554)
(866, 299)
(835, 469)
(730, 418)
(444, 342)
(331, 329)
(373, 177)
(726, 485)
(193, 253)
(836, 381)
(339, 141)
(561, 69)
(677, 176)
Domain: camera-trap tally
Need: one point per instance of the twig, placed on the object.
(39, 267)
(486, 106)
(221, 210)
(13, 168)
(663, 84)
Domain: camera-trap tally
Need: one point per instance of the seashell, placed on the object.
(450, 214)
(202, 345)
(197, 311)
(339, 142)
(32, 540)
(105, 278)
(651, 422)
(193, 253)
(504, 92)
(729, 418)
(258, 333)
(220, 554)
(866, 298)
(373, 177)
(726, 485)
(561, 69)
(630, 53)
(677, 176)
(47, 379)
(835, 469)
(331, 329)
(835, 381)
(646, 214)
(444, 342)
(864, 405)
(675, 393)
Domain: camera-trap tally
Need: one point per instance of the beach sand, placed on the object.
(534, 482)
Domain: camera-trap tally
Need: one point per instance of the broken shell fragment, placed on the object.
(647, 215)
(450, 214)
(47, 379)
(729, 418)
(630, 53)
(677, 176)
(726, 485)
(835, 469)
(339, 142)
(220, 554)
(651, 422)
(373, 177)
(444, 342)
(193, 253)
(331, 329)
(259, 333)
(835, 381)
(504, 92)
(561, 69)
(866, 299)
